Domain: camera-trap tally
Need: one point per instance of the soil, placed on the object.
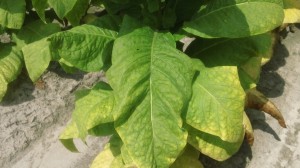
(32, 117)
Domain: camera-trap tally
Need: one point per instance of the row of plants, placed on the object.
(165, 101)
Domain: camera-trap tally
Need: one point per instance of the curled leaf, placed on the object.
(257, 100)
(248, 130)
(67, 136)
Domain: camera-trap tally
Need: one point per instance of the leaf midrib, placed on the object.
(151, 93)
(89, 34)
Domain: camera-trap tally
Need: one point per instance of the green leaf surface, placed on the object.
(212, 146)
(32, 39)
(37, 57)
(35, 31)
(77, 12)
(62, 7)
(12, 13)
(86, 47)
(10, 66)
(40, 6)
(93, 107)
(188, 159)
(152, 80)
(245, 53)
(230, 52)
(126, 156)
(235, 18)
(109, 157)
(217, 104)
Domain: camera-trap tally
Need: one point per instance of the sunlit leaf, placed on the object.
(152, 81)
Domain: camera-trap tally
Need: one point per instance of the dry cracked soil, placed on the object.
(32, 117)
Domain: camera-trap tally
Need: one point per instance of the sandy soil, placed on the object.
(31, 118)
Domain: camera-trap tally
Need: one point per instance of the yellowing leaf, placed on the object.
(10, 66)
(152, 81)
(110, 157)
(257, 100)
(188, 159)
(217, 104)
(93, 107)
(67, 136)
(211, 145)
(291, 11)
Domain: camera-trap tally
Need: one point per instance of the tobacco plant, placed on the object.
(166, 100)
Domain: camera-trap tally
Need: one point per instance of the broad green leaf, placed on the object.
(10, 67)
(32, 39)
(230, 52)
(67, 136)
(62, 7)
(93, 107)
(126, 157)
(35, 31)
(211, 145)
(152, 80)
(111, 152)
(217, 104)
(37, 57)
(12, 13)
(40, 6)
(246, 53)
(291, 11)
(86, 47)
(78, 11)
(236, 18)
(189, 159)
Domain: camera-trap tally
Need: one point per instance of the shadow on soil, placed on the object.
(272, 85)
